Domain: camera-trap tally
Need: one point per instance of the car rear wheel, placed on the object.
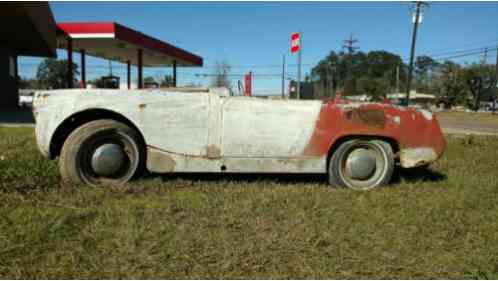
(101, 152)
(361, 164)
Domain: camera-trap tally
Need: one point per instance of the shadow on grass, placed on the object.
(419, 174)
(250, 178)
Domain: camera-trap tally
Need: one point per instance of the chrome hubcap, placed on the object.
(108, 159)
(360, 164)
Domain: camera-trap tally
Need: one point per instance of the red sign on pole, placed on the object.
(295, 42)
(248, 84)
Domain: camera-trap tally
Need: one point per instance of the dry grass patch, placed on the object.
(437, 223)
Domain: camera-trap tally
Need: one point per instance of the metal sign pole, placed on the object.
(298, 92)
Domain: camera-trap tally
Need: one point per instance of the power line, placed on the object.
(268, 66)
(446, 55)
(461, 51)
(464, 45)
(462, 55)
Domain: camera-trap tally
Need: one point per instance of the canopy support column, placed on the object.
(140, 69)
(83, 68)
(174, 73)
(70, 77)
(128, 74)
(16, 69)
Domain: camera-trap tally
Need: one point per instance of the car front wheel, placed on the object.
(101, 152)
(361, 164)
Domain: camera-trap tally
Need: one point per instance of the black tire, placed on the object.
(379, 151)
(75, 163)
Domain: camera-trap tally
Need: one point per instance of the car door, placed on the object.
(256, 127)
(177, 122)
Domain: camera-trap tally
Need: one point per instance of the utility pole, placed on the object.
(496, 81)
(331, 82)
(110, 68)
(283, 76)
(418, 9)
(485, 57)
(350, 48)
(348, 44)
(397, 79)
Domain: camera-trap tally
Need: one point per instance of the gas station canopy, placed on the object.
(110, 40)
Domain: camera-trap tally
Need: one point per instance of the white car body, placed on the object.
(208, 131)
(197, 131)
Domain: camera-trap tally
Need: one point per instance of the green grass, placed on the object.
(441, 223)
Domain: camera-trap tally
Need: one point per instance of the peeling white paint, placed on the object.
(415, 157)
(167, 162)
(154, 112)
(427, 114)
(192, 124)
(396, 119)
(255, 127)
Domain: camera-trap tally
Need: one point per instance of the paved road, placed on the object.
(468, 123)
(467, 131)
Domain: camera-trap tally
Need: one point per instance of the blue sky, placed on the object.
(255, 35)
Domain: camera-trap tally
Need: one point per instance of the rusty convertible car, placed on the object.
(112, 136)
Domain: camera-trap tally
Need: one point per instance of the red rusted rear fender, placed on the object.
(341, 120)
(421, 129)
(421, 139)
(416, 133)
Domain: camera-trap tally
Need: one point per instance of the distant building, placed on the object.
(416, 98)
(306, 92)
(359, 98)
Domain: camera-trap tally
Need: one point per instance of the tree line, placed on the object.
(375, 74)
(378, 73)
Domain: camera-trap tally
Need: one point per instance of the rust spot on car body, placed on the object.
(159, 162)
(415, 157)
(141, 106)
(368, 116)
(213, 152)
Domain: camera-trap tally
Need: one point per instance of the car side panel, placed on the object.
(177, 123)
(165, 162)
(160, 116)
(255, 127)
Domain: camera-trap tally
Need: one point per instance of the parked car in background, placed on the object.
(26, 98)
(112, 136)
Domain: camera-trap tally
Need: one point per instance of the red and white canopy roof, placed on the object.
(110, 40)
